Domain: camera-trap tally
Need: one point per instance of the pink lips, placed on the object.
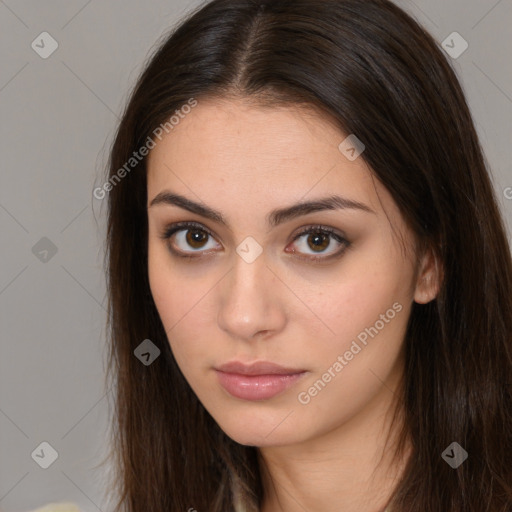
(257, 381)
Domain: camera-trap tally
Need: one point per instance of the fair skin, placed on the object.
(321, 452)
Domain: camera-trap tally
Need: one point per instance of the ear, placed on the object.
(429, 278)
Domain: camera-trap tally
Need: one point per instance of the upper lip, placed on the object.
(257, 368)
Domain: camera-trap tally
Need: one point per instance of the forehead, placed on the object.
(237, 140)
(247, 161)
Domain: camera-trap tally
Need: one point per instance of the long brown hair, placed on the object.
(379, 75)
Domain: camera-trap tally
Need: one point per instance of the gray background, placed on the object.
(58, 118)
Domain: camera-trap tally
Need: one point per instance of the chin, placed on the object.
(260, 429)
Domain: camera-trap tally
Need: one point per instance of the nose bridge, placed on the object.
(247, 288)
(249, 303)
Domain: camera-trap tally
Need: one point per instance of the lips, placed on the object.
(257, 368)
(257, 381)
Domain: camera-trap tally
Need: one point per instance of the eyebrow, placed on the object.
(274, 218)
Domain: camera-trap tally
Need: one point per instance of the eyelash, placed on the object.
(316, 229)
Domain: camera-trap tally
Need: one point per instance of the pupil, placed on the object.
(320, 241)
(195, 238)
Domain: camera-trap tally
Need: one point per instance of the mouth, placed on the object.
(257, 381)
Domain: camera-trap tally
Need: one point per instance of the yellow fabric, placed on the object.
(58, 507)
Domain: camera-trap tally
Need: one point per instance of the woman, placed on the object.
(308, 274)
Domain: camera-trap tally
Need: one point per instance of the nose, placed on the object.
(250, 304)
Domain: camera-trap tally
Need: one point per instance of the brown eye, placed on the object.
(186, 239)
(319, 240)
(196, 238)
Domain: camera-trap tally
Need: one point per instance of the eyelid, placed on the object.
(339, 236)
(178, 226)
(332, 232)
(320, 228)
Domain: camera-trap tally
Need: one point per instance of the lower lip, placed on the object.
(256, 387)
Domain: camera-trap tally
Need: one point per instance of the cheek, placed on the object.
(351, 366)
(353, 298)
(183, 299)
(163, 285)
(366, 307)
(173, 285)
(366, 326)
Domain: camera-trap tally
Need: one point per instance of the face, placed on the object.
(285, 309)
